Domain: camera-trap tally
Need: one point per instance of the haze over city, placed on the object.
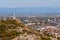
(30, 7)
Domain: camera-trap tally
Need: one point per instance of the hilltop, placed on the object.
(9, 29)
(16, 30)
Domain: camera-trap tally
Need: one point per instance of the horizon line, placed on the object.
(28, 7)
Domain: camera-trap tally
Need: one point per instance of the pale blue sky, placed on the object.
(29, 3)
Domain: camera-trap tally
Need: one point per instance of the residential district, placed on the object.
(36, 27)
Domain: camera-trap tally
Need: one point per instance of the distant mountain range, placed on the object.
(31, 11)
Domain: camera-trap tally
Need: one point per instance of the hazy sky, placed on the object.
(29, 3)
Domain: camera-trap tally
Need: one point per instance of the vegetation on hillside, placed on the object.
(10, 29)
